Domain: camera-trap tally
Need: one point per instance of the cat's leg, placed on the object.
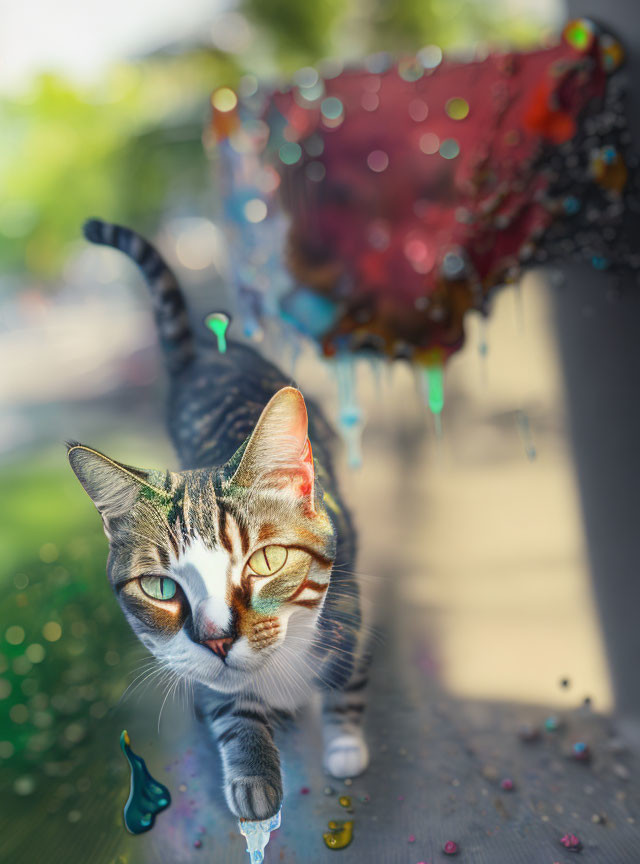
(345, 749)
(250, 759)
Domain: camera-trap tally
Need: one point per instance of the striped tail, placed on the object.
(176, 336)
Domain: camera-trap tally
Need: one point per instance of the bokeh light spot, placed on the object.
(418, 110)
(579, 34)
(429, 143)
(378, 161)
(14, 635)
(457, 108)
(52, 631)
(224, 99)
(19, 713)
(290, 152)
(315, 171)
(418, 253)
(48, 552)
(331, 108)
(306, 77)
(255, 210)
(410, 70)
(430, 56)
(35, 653)
(370, 101)
(314, 146)
(24, 785)
(449, 148)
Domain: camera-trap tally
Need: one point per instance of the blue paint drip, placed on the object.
(147, 797)
(257, 835)
(525, 431)
(350, 414)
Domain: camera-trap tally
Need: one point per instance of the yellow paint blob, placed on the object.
(339, 836)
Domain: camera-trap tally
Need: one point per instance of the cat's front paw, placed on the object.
(346, 755)
(253, 797)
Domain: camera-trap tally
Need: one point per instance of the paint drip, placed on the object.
(218, 322)
(350, 418)
(432, 384)
(257, 835)
(524, 427)
(339, 835)
(147, 797)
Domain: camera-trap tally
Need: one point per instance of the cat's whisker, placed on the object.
(141, 674)
(171, 685)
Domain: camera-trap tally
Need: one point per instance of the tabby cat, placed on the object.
(237, 571)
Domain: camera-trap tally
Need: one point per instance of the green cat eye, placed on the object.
(159, 587)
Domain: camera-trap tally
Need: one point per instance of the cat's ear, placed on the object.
(114, 488)
(278, 453)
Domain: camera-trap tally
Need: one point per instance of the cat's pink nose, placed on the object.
(219, 646)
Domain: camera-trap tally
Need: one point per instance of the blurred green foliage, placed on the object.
(121, 150)
(57, 598)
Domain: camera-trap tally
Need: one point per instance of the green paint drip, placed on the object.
(435, 388)
(218, 323)
(147, 797)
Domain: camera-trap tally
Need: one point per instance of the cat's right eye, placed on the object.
(268, 560)
(159, 587)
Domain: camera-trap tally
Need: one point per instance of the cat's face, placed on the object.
(217, 570)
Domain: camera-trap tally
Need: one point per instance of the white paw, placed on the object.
(346, 755)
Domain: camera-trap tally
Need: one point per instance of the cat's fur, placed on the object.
(254, 646)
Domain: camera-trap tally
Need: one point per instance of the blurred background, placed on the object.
(478, 535)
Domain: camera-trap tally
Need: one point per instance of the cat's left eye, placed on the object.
(268, 560)
(159, 587)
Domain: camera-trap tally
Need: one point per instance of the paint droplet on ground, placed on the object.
(344, 801)
(450, 848)
(581, 751)
(571, 842)
(507, 784)
(197, 844)
(411, 838)
(339, 835)
(305, 790)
